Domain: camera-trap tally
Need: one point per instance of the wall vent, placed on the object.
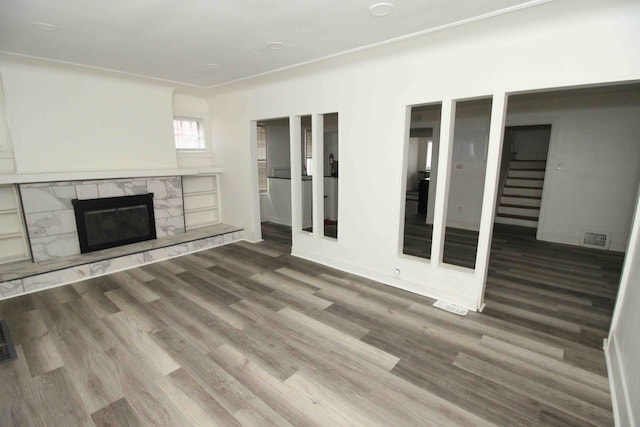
(597, 240)
(7, 350)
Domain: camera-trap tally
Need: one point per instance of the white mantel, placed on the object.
(25, 178)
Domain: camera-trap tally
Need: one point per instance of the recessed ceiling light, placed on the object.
(275, 45)
(44, 26)
(213, 66)
(381, 9)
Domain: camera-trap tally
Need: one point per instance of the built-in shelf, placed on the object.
(201, 201)
(198, 193)
(204, 209)
(13, 244)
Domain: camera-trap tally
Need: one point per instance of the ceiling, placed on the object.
(212, 42)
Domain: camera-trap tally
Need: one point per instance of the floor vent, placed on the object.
(592, 239)
(7, 350)
(450, 308)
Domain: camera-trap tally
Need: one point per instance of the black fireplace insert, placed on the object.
(114, 221)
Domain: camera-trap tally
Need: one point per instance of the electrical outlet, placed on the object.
(396, 273)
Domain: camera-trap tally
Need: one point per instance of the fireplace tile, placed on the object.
(11, 288)
(169, 188)
(47, 280)
(122, 188)
(42, 224)
(164, 253)
(87, 191)
(51, 198)
(206, 243)
(51, 247)
(169, 226)
(166, 208)
(116, 264)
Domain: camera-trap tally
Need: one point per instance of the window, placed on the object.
(427, 166)
(262, 159)
(189, 133)
(308, 153)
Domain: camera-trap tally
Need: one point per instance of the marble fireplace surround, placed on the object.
(50, 218)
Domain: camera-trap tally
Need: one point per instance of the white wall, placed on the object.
(278, 156)
(547, 46)
(530, 143)
(623, 350)
(63, 119)
(6, 150)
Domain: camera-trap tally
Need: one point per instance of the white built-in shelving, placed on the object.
(13, 238)
(201, 200)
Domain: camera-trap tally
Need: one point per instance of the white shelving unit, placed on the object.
(201, 200)
(13, 238)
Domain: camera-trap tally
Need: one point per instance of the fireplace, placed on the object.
(114, 221)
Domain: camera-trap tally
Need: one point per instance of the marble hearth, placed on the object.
(25, 277)
(53, 238)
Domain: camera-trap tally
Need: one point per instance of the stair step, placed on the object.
(522, 191)
(528, 164)
(521, 186)
(520, 196)
(529, 212)
(529, 201)
(527, 183)
(522, 217)
(521, 173)
(518, 222)
(509, 205)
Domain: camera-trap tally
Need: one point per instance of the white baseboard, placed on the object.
(620, 399)
(378, 276)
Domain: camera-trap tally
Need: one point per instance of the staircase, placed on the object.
(521, 194)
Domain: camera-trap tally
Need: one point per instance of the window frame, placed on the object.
(262, 129)
(202, 134)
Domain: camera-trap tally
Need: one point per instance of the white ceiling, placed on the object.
(173, 40)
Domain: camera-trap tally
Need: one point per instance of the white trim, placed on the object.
(490, 191)
(447, 123)
(80, 175)
(620, 399)
(255, 190)
(317, 170)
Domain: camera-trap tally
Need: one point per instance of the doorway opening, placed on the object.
(522, 171)
(274, 179)
(547, 272)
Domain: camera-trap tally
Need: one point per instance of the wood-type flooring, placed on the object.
(246, 334)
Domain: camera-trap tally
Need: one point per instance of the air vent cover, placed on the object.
(7, 350)
(594, 239)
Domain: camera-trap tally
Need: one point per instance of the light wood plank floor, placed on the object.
(248, 335)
